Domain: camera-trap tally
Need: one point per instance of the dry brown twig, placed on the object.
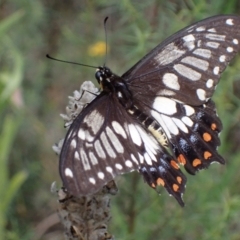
(86, 217)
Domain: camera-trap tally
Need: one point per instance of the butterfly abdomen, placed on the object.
(150, 124)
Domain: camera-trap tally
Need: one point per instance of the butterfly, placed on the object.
(156, 116)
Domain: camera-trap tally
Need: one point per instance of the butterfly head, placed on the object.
(103, 74)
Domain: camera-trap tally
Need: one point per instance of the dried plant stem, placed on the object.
(87, 217)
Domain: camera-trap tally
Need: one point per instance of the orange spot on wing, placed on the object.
(207, 155)
(207, 137)
(174, 164)
(213, 126)
(179, 179)
(160, 182)
(175, 187)
(181, 159)
(196, 162)
(153, 185)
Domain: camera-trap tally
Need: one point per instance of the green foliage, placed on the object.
(34, 90)
(10, 80)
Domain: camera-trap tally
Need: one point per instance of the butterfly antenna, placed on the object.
(59, 60)
(105, 30)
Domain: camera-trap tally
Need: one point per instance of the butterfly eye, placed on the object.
(99, 76)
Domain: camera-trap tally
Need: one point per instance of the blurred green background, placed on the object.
(34, 91)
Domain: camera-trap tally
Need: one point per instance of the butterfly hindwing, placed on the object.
(88, 155)
(104, 141)
(192, 131)
(166, 173)
(196, 145)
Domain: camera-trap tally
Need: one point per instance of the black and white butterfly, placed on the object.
(163, 102)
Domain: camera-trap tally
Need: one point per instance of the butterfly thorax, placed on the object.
(110, 83)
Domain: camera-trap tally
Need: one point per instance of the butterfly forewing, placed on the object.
(187, 66)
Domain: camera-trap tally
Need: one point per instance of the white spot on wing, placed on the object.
(229, 49)
(94, 120)
(235, 41)
(211, 30)
(180, 125)
(168, 54)
(109, 169)
(212, 44)
(93, 158)
(171, 81)
(196, 62)
(164, 105)
(209, 83)
(101, 175)
(88, 145)
(119, 129)
(99, 149)
(81, 134)
(222, 58)
(88, 136)
(187, 72)
(118, 166)
(119, 94)
(206, 53)
(68, 172)
(216, 37)
(73, 143)
(76, 155)
(166, 92)
(85, 160)
(229, 21)
(189, 41)
(134, 159)
(116, 143)
(92, 180)
(141, 158)
(200, 29)
(151, 153)
(188, 38)
(216, 70)
(170, 124)
(128, 163)
(189, 110)
(201, 94)
(134, 134)
(187, 121)
(107, 145)
(147, 159)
